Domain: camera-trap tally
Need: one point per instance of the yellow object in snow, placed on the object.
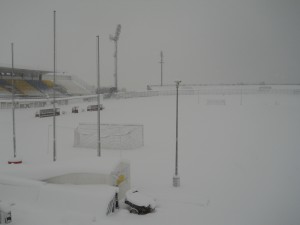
(120, 179)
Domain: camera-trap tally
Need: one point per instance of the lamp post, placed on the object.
(161, 67)
(176, 178)
(98, 100)
(54, 82)
(13, 99)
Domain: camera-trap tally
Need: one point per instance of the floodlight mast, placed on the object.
(115, 40)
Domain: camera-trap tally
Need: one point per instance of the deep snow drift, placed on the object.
(238, 161)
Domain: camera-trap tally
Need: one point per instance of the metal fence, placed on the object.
(185, 90)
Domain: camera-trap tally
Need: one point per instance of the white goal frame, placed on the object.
(113, 136)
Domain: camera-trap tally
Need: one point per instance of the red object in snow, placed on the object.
(15, 161)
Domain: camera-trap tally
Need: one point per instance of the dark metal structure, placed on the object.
(54, 73)
(98, 100)
(115, 40)
(13, 100)
(176, 178)
(161, 67)
(29, 74)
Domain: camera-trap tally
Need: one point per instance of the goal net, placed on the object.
(113, 136)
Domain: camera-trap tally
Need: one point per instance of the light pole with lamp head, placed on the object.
(176, 178)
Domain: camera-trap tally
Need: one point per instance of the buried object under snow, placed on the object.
(139, 203)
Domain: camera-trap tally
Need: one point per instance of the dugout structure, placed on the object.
(113, 136)
(47, 112)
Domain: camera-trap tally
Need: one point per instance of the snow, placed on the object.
(50, 169)
(238, 162)
(5, 207)
(88, 199)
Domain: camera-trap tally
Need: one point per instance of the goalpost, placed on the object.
(113, 136)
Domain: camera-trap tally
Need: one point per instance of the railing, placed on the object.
(113, 205)
(206, 90)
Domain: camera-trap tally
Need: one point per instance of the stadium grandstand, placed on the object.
(29, 83)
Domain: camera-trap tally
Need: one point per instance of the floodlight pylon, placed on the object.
(115, 40)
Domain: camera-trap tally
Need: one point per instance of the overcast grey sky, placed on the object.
(204, 41)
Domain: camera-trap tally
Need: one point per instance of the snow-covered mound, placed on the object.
(49, 170)
(85, 187)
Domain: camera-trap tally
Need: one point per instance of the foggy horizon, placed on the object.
(204, 42)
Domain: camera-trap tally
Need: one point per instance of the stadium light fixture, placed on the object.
(115, 40)
(176, 178)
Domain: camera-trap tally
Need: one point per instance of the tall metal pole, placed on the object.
(98, 97)
(54, 74)
(161, 68)
(115, 40)
(13, 99)
(116, 65)
(176, 178)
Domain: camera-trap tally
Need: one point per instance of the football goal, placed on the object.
(113, 136)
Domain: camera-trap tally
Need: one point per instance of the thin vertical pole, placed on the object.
(116, 65)
(98, 96)
(176, 178)
(176, 163)
(241, 101)
(54, 94)
(13, 99)
(161, 68)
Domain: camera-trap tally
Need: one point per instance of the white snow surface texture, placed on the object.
(238, 162)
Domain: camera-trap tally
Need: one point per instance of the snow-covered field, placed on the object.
(238, 162)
